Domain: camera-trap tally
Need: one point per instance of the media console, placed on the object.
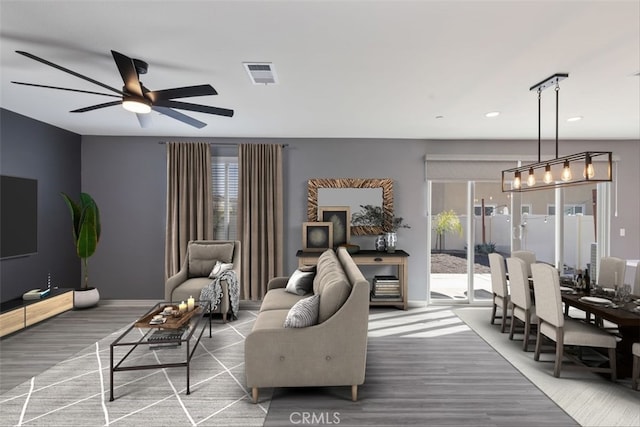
(17, 314)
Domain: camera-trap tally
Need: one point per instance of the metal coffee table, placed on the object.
(188, 329)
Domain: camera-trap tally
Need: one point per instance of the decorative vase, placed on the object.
(391, 239)
(85, 298)
(381, 244)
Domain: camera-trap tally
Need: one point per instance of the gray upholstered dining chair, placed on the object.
(528, 257)
(521, 306)
(499, 288)
(635, 370)
(635, 373)
(611, 272)
(565, 331)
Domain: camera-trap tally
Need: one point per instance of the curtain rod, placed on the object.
(221, 144)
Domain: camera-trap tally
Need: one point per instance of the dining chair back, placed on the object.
(546, 288)
(611, 272)
(499, 288)
(528, 257)
(571, 332)
(636, 282)
(520, 293)
(635, 368)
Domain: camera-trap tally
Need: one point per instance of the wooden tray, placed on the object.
(171, 322)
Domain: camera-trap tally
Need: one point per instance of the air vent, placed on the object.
(261, 73)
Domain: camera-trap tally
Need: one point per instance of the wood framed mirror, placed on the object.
(352, 192)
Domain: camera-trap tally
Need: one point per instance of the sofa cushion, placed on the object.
(270, 319)
(300, 282)
(304, 313)
(189, 288)
(327, 262)
(335, 291)
(279, 299)
(203, 257)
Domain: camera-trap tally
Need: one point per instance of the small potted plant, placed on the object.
(374, 216)
(85, 218)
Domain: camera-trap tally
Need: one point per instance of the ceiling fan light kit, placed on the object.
(136, 105)
(575, 169)
(137, 98)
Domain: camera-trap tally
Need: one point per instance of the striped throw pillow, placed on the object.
(303, 313)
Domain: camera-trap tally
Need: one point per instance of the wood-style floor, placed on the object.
(31, 351)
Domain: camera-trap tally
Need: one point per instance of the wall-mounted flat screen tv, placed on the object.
(18, 216)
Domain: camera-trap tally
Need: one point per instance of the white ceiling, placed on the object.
(354, 69)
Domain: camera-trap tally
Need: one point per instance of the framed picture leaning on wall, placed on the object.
(317, 236)
(340, 217)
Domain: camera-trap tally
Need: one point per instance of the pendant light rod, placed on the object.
(540, 122)
(550, 81)
(557, 101)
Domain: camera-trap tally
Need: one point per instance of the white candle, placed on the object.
(191, 303)
(182, 307)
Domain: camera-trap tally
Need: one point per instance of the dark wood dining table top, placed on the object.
(619, 313)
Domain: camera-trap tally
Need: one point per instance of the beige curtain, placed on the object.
(260, 221)
(189, 200)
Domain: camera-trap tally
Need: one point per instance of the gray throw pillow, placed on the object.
(300, 282)
(303, 313)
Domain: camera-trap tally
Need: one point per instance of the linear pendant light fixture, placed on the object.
(575, 169)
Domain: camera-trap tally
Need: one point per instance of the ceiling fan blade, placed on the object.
(128, 72)
(181, 92)
(95, 107)
(66, 70)
(66, 88)
(144, 120)
(195, 107)
(179, 116)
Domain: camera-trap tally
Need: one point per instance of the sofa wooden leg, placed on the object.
(224, 317)
(354, 393)
(254, 394)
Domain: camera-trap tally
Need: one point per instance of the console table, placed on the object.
(17, 314)
(398, 259)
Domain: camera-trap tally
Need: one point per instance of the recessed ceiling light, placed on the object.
(492, 114)
(574, 119)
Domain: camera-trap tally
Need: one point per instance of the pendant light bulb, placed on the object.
(516, 181)
(548, 178)
(589, 171)
(531, 179)
(566, 172)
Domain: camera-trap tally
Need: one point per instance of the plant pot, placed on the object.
(391, 240)
(86, 298)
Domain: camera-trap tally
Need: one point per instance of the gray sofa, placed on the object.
(330, 353)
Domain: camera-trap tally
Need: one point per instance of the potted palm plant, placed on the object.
(85, 217)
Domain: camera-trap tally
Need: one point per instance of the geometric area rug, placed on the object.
(75, 392)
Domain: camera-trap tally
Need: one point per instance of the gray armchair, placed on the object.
(200, 259)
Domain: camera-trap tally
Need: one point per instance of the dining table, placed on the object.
(626, 315)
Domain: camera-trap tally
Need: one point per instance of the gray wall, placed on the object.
(32, 149)
(127, 177)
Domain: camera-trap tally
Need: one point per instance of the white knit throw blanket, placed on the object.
(213, 292)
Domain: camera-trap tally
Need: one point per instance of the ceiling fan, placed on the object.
(135, 97)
